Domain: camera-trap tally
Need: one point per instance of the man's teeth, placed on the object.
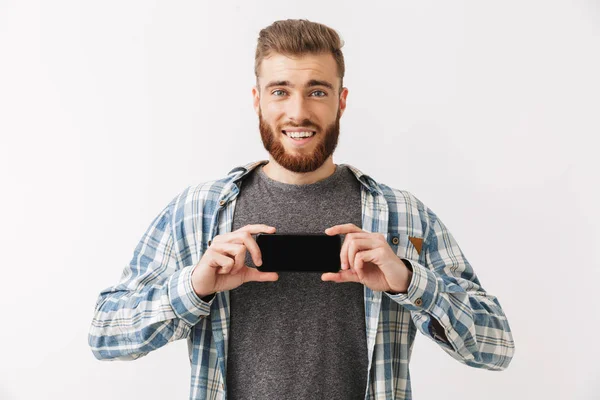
(299, 134)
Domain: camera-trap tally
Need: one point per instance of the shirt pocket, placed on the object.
(406, 246)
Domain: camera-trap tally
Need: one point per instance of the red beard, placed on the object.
(300, 162)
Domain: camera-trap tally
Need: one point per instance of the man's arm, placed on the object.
(449, 305)
(153, 303)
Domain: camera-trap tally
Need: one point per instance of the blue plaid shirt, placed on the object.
(154, 303)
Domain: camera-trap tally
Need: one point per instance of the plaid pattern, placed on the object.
(154, 303)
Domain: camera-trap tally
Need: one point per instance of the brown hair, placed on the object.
(296, 37)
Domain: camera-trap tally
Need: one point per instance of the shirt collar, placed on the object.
(369, 183)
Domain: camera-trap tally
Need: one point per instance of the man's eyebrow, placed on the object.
(311, 83)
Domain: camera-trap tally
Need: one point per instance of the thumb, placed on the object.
(254, 275)
(346, 275)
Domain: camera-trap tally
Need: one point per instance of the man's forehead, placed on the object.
(298, 70)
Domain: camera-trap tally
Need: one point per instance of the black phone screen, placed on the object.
(299, 252)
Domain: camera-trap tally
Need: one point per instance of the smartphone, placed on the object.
(299, 252)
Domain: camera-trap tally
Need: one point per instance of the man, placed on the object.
(262, 335)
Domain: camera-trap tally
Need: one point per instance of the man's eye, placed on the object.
(280, 92)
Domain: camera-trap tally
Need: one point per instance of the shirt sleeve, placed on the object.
(153, 303)
(449, 305)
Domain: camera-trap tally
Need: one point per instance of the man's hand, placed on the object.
(367, 258)
(222, 267)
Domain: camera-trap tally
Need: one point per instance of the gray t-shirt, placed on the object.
(298, 337)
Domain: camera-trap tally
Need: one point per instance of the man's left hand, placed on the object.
(366, 257)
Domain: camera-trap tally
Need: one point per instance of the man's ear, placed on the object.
(343, 96)
(255, 99)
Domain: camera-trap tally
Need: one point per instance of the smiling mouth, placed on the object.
(292, 135)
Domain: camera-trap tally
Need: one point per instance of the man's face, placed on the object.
(299, 94)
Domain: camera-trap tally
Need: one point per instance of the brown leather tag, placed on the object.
(417, 242)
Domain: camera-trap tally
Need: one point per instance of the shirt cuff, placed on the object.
(184, 300)
(422, 291)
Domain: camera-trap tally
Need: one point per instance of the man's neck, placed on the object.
(280, 174)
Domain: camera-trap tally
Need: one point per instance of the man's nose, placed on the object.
(298, 109)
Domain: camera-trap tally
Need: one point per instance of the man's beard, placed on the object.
(301, 162)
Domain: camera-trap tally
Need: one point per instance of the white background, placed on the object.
(487, 111)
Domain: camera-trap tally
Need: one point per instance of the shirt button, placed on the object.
(209, 242)
(222, 202)
(419, 302)
(395, 240)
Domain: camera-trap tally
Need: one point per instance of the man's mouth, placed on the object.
(299, 136)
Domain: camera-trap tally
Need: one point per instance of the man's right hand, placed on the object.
(222, 267)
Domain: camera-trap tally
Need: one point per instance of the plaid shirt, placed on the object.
(154, 302)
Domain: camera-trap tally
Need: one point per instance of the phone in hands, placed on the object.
(299, 252)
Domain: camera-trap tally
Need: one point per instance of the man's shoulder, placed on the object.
(402, 200)
(399, 195)
(209, 189)
(391, 194)
(204, 193)
(205, 190)
(407, 212)
(399, 200)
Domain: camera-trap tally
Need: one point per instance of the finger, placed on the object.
(234, 237)
(246, 233)
(345, 261)
(253, 275)
(342, 276)
(344, 251)
(227, 248)
(240, 258)
(361, 258)
(221, 262)
(257, 228)
(235, 251)
(342, 229)
(252, 247)
(356, 245)
(244, 237)
(358, 266)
